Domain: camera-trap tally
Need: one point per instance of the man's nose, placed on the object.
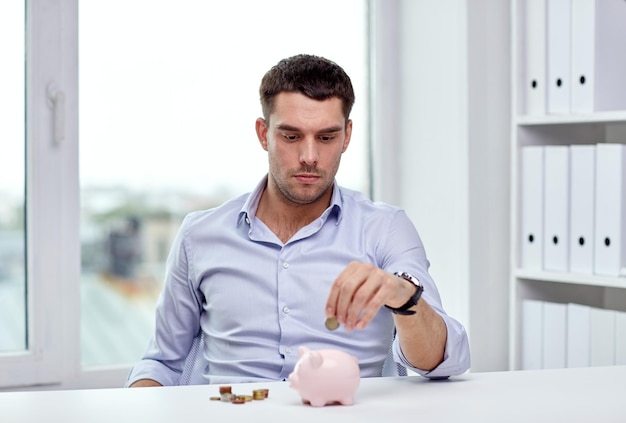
(309, 154)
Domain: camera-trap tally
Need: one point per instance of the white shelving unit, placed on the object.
(566, 129)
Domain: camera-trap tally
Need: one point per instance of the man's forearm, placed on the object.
(422, 336)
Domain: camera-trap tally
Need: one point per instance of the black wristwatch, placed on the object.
(404, 310)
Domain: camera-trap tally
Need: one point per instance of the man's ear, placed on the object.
(261, 132)
(346, 141)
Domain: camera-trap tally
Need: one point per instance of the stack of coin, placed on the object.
(226, 393)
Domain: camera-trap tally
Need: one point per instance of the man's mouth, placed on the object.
(307, 178)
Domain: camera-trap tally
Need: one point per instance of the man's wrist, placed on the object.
(413, 299)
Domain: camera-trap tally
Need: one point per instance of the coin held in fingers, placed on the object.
(332, 323)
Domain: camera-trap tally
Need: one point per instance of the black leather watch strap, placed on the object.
(404, 309)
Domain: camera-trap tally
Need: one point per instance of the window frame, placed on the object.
(51, 203)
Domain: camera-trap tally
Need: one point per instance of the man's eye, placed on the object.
(327, 137)
(290, 137)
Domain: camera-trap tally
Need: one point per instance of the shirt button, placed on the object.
(285, 265)
(286, 310)
(287, 350)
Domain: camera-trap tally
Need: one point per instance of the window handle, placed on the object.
(56, 101)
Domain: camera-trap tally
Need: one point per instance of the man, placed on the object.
(258, 276)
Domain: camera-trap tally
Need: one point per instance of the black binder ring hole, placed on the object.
(581, 241)
(559, 82)
(555, 240)
(582, 80)
(607, 241)
(531, 238)
(533, 83)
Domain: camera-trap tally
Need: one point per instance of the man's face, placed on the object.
(304, 140)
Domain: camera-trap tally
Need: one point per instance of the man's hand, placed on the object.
(143, 383)
(361, 290)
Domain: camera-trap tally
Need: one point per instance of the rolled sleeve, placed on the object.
(155, 370)
(404, 251)
(456, 359)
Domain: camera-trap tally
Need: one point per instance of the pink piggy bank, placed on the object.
(325, 377)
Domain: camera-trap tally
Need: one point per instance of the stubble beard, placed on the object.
(297, 194)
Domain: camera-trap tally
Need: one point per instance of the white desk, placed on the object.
(569, 395)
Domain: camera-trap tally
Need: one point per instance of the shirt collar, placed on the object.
(252, 203)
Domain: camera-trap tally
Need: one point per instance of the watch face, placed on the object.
(409, 277)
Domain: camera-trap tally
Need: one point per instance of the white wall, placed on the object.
(445, 97)
(434, 140)
(489, 111)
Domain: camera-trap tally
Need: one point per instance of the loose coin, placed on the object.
(332, 323)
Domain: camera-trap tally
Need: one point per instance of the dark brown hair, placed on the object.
(315, 77)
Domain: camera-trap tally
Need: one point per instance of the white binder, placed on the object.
(582, 186)
(598, 59)
(534, 16)
(554, 335)
(602, 337)
(610, 210)
(532, 335)
(556, 208)
(620, 338)
(558, 54)
(531, 236)
(578, 335)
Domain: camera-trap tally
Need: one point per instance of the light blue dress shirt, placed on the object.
(257, 299)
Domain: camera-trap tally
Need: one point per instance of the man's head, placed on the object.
(312, 76)
(305, 129)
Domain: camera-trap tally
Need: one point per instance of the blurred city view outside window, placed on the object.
(168, 100)
(13, 314)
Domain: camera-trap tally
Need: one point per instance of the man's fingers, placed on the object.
(358, 293)
(341, 291)
(373, 305)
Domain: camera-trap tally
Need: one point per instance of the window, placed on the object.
(168, 101)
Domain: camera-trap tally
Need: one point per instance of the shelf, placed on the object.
(530, 41)
(573, 278)
(600, 117)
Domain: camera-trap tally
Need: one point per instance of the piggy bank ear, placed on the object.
(316, 359)
(302, 351)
